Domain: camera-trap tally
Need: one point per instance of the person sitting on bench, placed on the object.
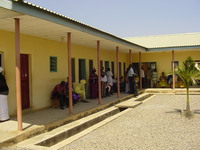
(60, 93)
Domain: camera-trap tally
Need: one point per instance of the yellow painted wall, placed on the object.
(7, 51)
(42, 80)
(163, 59)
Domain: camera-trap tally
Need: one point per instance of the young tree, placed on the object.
(189, 74)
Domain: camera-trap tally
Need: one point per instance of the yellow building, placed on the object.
(160, 48)
(44, 39)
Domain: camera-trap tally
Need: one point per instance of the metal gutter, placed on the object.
(42, 13)
(6, 4)
(173, 48)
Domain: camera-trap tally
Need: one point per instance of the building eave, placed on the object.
(174, 48)
(42, 13)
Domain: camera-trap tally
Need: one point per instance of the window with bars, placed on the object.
(53, 64)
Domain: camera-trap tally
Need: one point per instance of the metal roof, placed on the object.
(41, 22)
(168, 41)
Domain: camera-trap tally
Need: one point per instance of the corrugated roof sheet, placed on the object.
(43, 8)
(163, 41)
(81, 23)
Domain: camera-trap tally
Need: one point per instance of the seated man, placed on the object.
(60, 92)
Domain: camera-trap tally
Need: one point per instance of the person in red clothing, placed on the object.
(60, 92)
(93, 80)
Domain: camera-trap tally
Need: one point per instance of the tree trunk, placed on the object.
(187, 101)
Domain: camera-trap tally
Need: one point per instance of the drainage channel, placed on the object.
(66, 133)
(79, 127)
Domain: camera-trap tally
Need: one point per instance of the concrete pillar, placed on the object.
(69, 72)
(17, 70)
(99, 72)
(140, 70)
(173, 76)
(118, 82)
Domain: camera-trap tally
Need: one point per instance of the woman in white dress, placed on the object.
(4, 116)
(103, 82)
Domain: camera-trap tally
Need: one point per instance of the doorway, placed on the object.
(82, 69)
(24, 68)
(106, 65)
(73, 70)
(91, 66)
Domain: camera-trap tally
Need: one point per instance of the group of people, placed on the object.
(60, 92)
(106, 83)
(165, 80)
(152, 79)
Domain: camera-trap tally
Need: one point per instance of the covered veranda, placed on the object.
(23, 18)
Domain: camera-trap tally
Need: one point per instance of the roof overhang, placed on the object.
(180, 48)
(40, 22)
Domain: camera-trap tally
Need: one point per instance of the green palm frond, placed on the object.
(188, 73)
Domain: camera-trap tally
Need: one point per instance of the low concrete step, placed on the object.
(48, 139)
(133, 102)
(171, 91)
(129, 104)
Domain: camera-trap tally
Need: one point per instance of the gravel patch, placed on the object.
(155, 125)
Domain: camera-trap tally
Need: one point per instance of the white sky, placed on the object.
(130, 18)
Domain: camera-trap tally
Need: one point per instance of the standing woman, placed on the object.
(4, 116)
(103, 82)
(93, 80)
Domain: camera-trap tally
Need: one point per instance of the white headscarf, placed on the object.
(1, 69)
